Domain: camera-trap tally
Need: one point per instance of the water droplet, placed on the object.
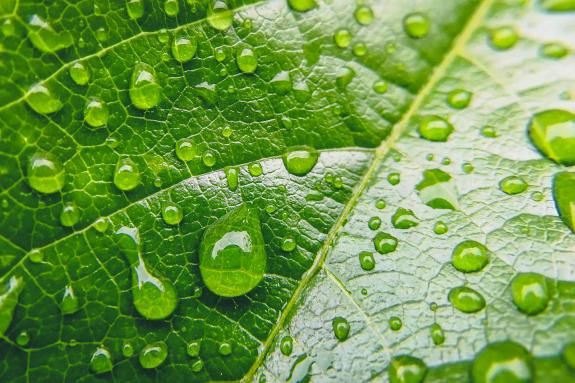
(363, 15)
(220, 17)
(45, 173)
(209, 158)
(340, 328)
(154, 296)
(126, 174)
(23, 338)
(506, 361)
(537, 196)
(380, 86)
(101, 361)
(374, 223)
(344, 77)
(568, 354)
(404, 219)
(459, 98)
(359, 49)
(380, 204)
(96, 113)
(300, 160)
(145, 92)
(554, 50)
(437, 334)
(503, 38)
(437, 191)
(469, 256)
(247, 60)
(286, 345)
(220, 54)
(281, 83)
(225, 349)
(342, 38)
(512, 185)
(70, 303)
(406, 369)
(231, 178)
(416, 25)
(198, 365)
(255, 169)
(489, 131)
(384, 243)
(171, 7)
(467, 168)
(232, 254)
(364, 292)
(9, 295)
(395, 323)
(440, 228)
(185, 149)
(530, 293)
(172, 214)
(79, 73)
(42, 99)
(193, 349)
(394, 178)
(45, 38)
(337, 182)
(301, 91)
(288, 244)
(553, 133)
(127, 350)
(135, 9)
(302, 5)
(153, 355)
(466, 300)
(184, 48)
(101, 224)
(435, 128)
(366, 260)
(207, 92)
(8, 28)
(564, 196)
(101, 35)
(36, 256)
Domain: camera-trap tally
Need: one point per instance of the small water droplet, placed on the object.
(184, 48)
(553, 133)
(374, 223)
(36, 256)
(255, 169)
(96, 113)
(23, 338)
(404, 219)
(554, 50)
(43, 100)
(406, 369)
(512, 185)
(101, 361)
(9, 296)
(198, 365)
(209, 158)
(247, 60)
(172, 214)
(530, 293)
(145, 92)
(127, 350)
(435, 128)
(171, 7)
(80, 73)
(101, 34)
(506, 361)
(342, 38)
(288, 244)
(503, 38)
(44, 37)
(193, 349)
(153, 355)
(359, 49)
(220, 16)
(363, 15)
(185, 149)
(394, 178)
(467, 168)
(380, 86)
(225, 349)
(341, 328)
(459, 98)
(220, 54)
(380, 204)
(416, 25)
(135, 9)
(384, 243)
(366, 260)
(45, 173)
(126, 174)
(8, 28)
(286, 345)
(466, 299)
(440, 228)
(395, 323)
(469, 256)
(70, 303)
(301, 91)
(436, 190)
(300, 160)
(489, 131)
(101, 224)
(281, 83)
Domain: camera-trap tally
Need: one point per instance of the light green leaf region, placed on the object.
(356, 107)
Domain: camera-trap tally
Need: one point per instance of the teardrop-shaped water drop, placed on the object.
(153, 355)
(286, 345)
(9, 296)
(154, 296)
(135, 9)
(43, 99)
(232, 178)
(126, 174)
(416, 25)
(300, 160)
(406, 369)
(101, 361)
(459, 98)
(45, 173)
(384, 243)
(44, 37)
(70, 303)
(437, 191)
(564, 196)
(247, 60)
(466, 299)
(341, 328)
(184, 48)
(232, 253)
(437, 334)
(302, 5)
(366, 260)
(80, 73)
(553, 133)
(96, 113)
(530, 293)
(145, 92)
(505, 362)
(404, 219)
(435, 128)
(220, 16)
(469, 256)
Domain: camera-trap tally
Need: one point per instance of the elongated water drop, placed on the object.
(9, 294)
(153, 355)
(406, 369)
(300, 160)
(45, 38)
(135, 9)
(404, 219)
(302, 5)
(366, 260)
(416, 25)
(437, 191)
(435, 128)
(530, 293)
(503, 362)
(184, 48)
(43, 99)
(96, 113)
(232, 178)
(69, 303)
(220, 16)
(554, 50)
(154, 296)
(232, 254)
(341, 328)
(45, 173)
(80, 74)
(553, 133)
(70, 215)
(145, 92)
(247, 60)
(564, 196)
(384, 243)
(469, 256)
(126, 174)
(558, 5)
(437, 334)
(101, 361)
(286, 345)
(466, 300)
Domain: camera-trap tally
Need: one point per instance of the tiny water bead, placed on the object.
(225, 349)
(227, 131)
(437, 191)
(341, 328)
(564, 196)
(43, 100)
(467, 168)
(220, 16)
(503, 362)
(185, 149)
(469, 256)
(101, 224)
(145, 92)
(45, 173)
(79, 73)
(255, 169)
(437, 334)
(9, 297)
(8, 28)
(342, 38)
(394, 178)
(440, 228)
(232, 254)
(512, 185)
(171, 7)
(101, 34)
(503, 38)
(281, 83)
(247, 60)
(366, 260)
(232, 178)
(404, 219)
(127, 350)
(488, 131)
(209, 158)
(406, 369)
(172, 214)
(380, 86)
(416, 25)
(300, 160)
(153, 296)
(435, 128)
(554, 50)
(198, 365)
(288, 244)
(23, 338)
(568, 354)
(193, 349)
(126, 174)
(96, 113)
(70, 303)
(374, 223)
(101, 361)
(459, 98)
(384, 243)
(135, 9)
(553, 134)
(380, 204)
(286, 345)
(302, 5)
(530, 293)
(220, 54)
(184, 48)
(153, 355)
(466, 299)
(395, 323)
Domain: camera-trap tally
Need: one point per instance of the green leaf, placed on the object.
(310, 113)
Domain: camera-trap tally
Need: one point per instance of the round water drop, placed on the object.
(530, 293)
(172, 214)
(247, 60)
(286, 345)
(79, 73)
(384, 243)
(184, 48)
(232, 178)
(404, 219)
(503, 38)
(288, 244)
(145, 92)
(101, 35)
(406, 369)
(225, 349)
(101, 224)
(394, 178)
(467, 168)
(469, 256)
(42, 99)
(135, 9)
(101, 361)
(302, 5)
(163, 35)
(220, 17)
(127, 350)
(171, 7)
(568, 354)
(502, 362)
(366, 260)
(512, 185)
(395, 323)
(45, 173)
(342, 38)
(416, 25)
(489, 131)
(440, 228)
(126, 174)
(70, 303)
(185, 149)
(554, 51)
(255, 169)
(23, 338)
(36, 256)
(232, 253)
(96, 113)
(198, 365)
(360, 49)
(300, 160)
(459, 98)
(466, 300)
(341, 328)
(153, 355)
(435, 128)
(374, 223)
(220, 54)
(227, 131)
(209, 158)
(553, 133)
(380, 204)
(437, 334)
(380, 86)
(363, 15)
(193, 349)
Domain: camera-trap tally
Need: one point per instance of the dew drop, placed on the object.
(440, 228)
(45, 173)
(184, 48)
(380, 86)
(198, 365)
(126, 174)
(185, 149)
(43, 100)
(564, 196)
(300, 160)
(553, 133)
(459, 98)
(406, 369)
(79, 73)
(220, 16)
(96, 113)
(70, 303)
(512, 185)
(530, 293)
(384, 243)
(467, 168)
(437, 334)
(220, 54)
(374, 223)
(23, 339)
(101, 361)
(225, 349)
(366, 260)
(45, 38)
(153, 355)
(469, 256)
(231, 178)
(394, 178)
(505, 361)
(172, 214)
(395, 323)
(247, 60)
(255, 169)
(145, 92)
(437, 191)
(341, 328)
(301, 91)
(36, 256)
(503, 38)
(359, 49)
(193, 349)
(101, 224)
(416, 25)
(101, 35)
(302, 5)
(209, 158)
(363, 15)
(435, 128)
(342, 38)
(286, 345)
(404, 219)
(135, 9)
(380, 204)
(171, 7)
(8, 28)
(554, 51)
(9, 296)
(127, 350)
(466, 299)
(281, 83)
(288, 244)
(489, 131)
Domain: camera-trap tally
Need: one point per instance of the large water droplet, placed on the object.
(503, 38)
(435, 128)
(153, 355)
(395, 323)
(469, 256)
(45, 38)
(43, 100)
(384, 243)
(564, 196)
(135, 9)
(184, 48)
(406, 369)
(45, 173)
(185, 149)
(126, 174)
(101, 361)
(512, 185)
(154, 296)
(79, 73)
(70, 303)
(9, 294)
(416, 25)
(502, 362)
(232, 254)
(286, 345)
(300, 160)
(437, 191)
(220, 16)
(530, 293)
(247, 60)
(466, 300)
(145, 92)
(302, 5)
(96, 113)
(341, 328)
(404, 219)
(553, 133)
